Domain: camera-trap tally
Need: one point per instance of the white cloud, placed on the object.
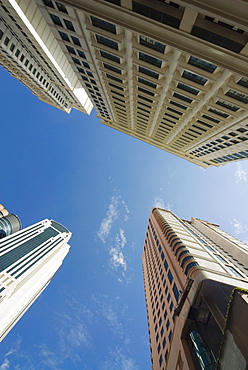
(126, 210)
(111, 217)
(239, 228)
(117, 359)
(5, 365)
(240, 174)
(158, 202)
(106, 310)
(117, 257)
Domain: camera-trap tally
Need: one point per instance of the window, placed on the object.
(156, 15)
(149, 72)
(100, 23)
(216, 39)
(109, 56)
(237, 95)
(112, 68)
(149, 59)
(218, 112)
(168, 324)
(81, 54)
(76, 41)
(6, 41)
(227, 105)
(107, 42)
(234, 271)
(182, 97)
(75, 60)
(69, 25)
(160, 360)
(61, 7)
(159, 348)
(12, 47)
(56, 20)
(243, 82)
(211, 118)
(178, 105)
(193, 77)
(70, 49)
(199, 63)
(189, 267)
(187, 88)
(114, 78)
(146, 82)
(145, 91)
(170, 276)
(164, 343)
(64, 36)
(176, 292)
(48, 3)
(152, 44)
(221, 259)
(170, 336)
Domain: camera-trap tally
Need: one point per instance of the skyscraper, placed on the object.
(191, 270)
(29, 259)
(173, 73)
(9, 223)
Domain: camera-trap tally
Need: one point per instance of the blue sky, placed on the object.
(101, 184)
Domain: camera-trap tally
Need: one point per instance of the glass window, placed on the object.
(152, 44)
(193, 77)
(237, 95)
(187, 88)
(227, 105)
(56, 20)
(64, 36)
(107, 42)
(81, 54)
(112, 68)
(149, 59)
(100, 23)
(69, 25)
(199, 63)
(109, 56)
(182, 97)
(146, 82)
(114, 78)
(176, 292)
(168, 324)
(76, 41)
(170, 276)
(243, 82)
(218, 112)
(234, 271)
(61, 7)
(149, 72)
(70, 49)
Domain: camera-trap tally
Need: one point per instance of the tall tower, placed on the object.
(171, 73)
(9, 223)
(191, 270)
(29, 259)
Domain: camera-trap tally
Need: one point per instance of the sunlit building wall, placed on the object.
(173, 74)
(190, 270)
(29, 258)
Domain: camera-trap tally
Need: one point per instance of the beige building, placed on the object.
(173, 74)
(191, 270)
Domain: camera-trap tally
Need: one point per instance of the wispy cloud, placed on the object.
(5, 365)
(111, 217)
(117, 359)
(117, 257)
(159, 202)
(113, 234)
(106, 310)
(239, 228)
(240, 174)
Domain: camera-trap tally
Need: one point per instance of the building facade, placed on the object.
(191, 270)
(173, 74)
(29, 258)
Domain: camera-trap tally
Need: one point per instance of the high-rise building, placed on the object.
(196, 288)
(171, 73)
(29, 258)
(9, 223)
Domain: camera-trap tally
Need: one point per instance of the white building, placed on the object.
(173, 74)
(29, 259)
